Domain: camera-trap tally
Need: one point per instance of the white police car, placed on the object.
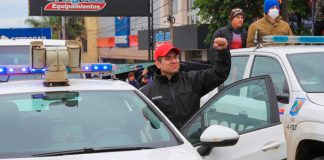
(298, 75)
(58, 118)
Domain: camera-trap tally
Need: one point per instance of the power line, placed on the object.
(112, 27)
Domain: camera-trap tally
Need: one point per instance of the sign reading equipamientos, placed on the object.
(100, 8)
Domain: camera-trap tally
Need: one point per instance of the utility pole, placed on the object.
(171, 20)
(63, 28)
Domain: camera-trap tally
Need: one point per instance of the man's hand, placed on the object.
(220, 43)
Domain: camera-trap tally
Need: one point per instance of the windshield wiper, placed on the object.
(91, 150)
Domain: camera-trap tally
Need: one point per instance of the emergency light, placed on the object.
(294, 39)
(28, 70)
(55, 63)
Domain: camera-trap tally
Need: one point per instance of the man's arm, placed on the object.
(206, 80)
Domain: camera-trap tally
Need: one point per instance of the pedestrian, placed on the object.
(132, 80)
(319, 18)
(144, 78)
(234, 32)
(177, 94)
(270, 24)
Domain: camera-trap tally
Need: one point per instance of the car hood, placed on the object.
(181, 152)
(317, 98)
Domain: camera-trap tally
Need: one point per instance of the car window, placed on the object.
(237, 69)
(55, 121)
(309, 75)
(14, 55)
(269, 66)
(244, 112)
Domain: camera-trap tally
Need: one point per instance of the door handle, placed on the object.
(270, 146)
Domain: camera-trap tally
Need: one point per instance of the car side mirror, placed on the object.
(283, 98)
(217, 136)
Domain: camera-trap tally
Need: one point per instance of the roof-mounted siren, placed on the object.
(38, 55)
(74, 51)
(56, 61)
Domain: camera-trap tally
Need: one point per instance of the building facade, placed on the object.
(135, 47)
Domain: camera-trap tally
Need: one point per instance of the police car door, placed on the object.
(249, 107)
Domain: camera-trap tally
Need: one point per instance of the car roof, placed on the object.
(26, 42)
(29, 86)
(289, 49)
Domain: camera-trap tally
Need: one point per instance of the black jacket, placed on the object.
(227, 33)
(179, 98)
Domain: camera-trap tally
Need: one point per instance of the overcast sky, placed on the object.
(13, 13)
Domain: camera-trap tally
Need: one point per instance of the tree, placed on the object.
(216, 12)
(74, 26)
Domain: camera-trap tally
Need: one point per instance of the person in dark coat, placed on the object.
(177, 94)
(132, 80)
(234, 32)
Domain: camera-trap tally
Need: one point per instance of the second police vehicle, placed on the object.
(298, 76)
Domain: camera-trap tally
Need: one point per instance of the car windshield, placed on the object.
(47, 122)
(308, 68)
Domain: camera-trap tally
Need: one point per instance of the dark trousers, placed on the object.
(318, 28)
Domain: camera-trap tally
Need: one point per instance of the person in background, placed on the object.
(270, 24)
(144, 78)
(234, 32)
(132, 80)
(319, 18)
(177, 94)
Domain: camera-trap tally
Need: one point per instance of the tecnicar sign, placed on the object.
(100, 8)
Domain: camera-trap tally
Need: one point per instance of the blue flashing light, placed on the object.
(23, 69)
(11, 70)
(3, 70)
(281, 39)
(86, 68)
(311, 39)
(33, 70)
(101, 67)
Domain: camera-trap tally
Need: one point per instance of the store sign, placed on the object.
(122, 31)
(26, 33)
(100, 8)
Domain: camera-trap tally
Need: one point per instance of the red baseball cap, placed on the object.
(164, 49)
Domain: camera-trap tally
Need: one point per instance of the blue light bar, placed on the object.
(294, 39)
(85, 68)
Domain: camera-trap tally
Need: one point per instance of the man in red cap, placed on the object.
(177, 94)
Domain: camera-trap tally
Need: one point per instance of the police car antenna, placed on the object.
(256, 42)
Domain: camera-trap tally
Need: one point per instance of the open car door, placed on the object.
(250, 108)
